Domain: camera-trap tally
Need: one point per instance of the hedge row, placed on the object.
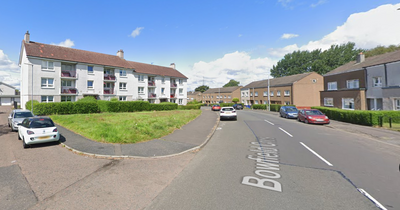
(65, 108)
(360, 117)
(273, 107)
(190, 106)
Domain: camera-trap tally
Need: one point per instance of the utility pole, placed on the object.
(269, 101)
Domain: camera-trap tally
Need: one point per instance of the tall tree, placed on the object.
(299, 62)
(232, 83)
(381, 50)
(202, 88)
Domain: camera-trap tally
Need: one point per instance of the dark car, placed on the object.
(288, 112)
(238, 106)
(216, 108)
(312, 116)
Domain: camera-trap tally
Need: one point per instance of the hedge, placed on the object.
(65, 108)
(273, 107)
(190, 106)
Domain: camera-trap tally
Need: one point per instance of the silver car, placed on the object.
(16, 117)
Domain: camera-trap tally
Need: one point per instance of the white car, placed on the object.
(227, 113)
(36, 130)
(16, 117)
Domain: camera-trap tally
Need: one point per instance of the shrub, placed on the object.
(259, 106)
(190, 106)
(85, 107)
(226, 104)
(28, 104)
(88, 98)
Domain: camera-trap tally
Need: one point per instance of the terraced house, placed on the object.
(302, 90)
(52, 73)
(221, 95)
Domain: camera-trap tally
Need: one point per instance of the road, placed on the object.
(262, 161)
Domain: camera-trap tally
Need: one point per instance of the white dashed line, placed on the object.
(379, 205)
(269, 122)
(285, 132)
(316, 154)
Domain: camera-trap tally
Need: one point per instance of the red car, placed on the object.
(312, 116)
(216, 108)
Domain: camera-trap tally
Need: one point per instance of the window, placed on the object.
(397, 104)
(47, 99)
(67, 83)
(180, 91)
(377, 81)
(66, 98)
(286, 93)
(265, 102)
(313, 81)
(162, 91)
(47, 82)
(251, 93)
(347, 103)
(332, 85)
(255, 102)
(180, 101)
(90, 84)
(256, 93)
(141, 90)
(243, 93)
(47, 65)
(224, 96)
(122, 73)
(180, 81)
(163, 80)
(352, 84)
(265, 93)
(140, 78)
(107, 85)
(328, 101)
(229, 96)
(287, 103)
(122, 86)
(278, 93)
(272, 93)
(108, 71)
(90, 70)
(247, 93)
(122, 98)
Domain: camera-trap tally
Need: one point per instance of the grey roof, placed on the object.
(222, 90)
(277, 82)
(370, 61)
(7, 85)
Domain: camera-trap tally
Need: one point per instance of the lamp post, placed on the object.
(269, 101)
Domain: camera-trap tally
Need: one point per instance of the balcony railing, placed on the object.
(173, 95)
(152, 95)
(68, 74)
(109, 77)
(174, 85)
(68, 90)
(152, 84)
(108, 91)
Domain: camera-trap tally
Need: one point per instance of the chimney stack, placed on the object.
(360, 58)
(26, 37)
(172, 65)
(120, 54)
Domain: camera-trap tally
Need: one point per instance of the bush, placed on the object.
(163, 106)
(85, 107)
(29, 106)
(194, 102)
(226, 104)
(88, 99)
(259, 106)
(190, 106)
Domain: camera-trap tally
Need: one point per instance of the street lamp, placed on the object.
(269, 101)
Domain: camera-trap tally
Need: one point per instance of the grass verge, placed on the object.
(126, 127)
(395, 126)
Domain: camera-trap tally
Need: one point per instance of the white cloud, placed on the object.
(66, 43)
(285, 3)
(240, 35)
(237, 65)
(136, 32)
(289, 36)
(9, 71)
(366, 29)
(318, 3)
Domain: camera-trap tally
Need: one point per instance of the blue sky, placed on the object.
(214, 40)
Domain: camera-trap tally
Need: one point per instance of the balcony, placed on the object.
(152, 84)
(68, 91)
(68, 74)
(152, 95)
(173, 96)
(108, 92)
(109, 77)
(174, 85)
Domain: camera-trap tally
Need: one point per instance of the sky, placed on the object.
(210, 41)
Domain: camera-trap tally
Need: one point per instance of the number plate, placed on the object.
(43, 137)
(228, 112)
(319, 120)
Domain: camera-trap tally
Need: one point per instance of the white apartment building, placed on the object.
(52, 73)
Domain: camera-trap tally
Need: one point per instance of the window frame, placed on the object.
(45, 65)
(376, 81)
(122, 98)
(122, 73)
(90, 87)
(348, 108)
(278, 93)
(90, 71)
(141, 92)
(122, 86)
(47, 99)
(272, 93)
(396, 104)
(352, 82)
(47, 85)
(330, 84)
(66, 99)
(66, 85)
(326, 100)
(140, 78)
(286, 93)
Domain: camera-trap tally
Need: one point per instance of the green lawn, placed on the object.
(395, 126)
(126, 127)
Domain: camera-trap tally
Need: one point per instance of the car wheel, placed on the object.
(19, 138)
(287, 116)
(306, 121)
(235, 118)
(298, 119)
(24, 144)
(220, 118)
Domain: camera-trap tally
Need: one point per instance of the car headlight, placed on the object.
(309, 117)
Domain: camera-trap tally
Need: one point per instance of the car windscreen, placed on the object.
(314, 112)
(22, 114)
(42, 123)
(291, 110)
(227, 109)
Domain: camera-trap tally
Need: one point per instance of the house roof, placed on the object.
(2, 83)
(40, 50)
(222, 90)
(277, 82)
(370, 61)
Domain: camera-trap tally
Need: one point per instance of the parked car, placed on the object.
(227, 113)
(16, 117)
(216, 107)
(237, 106)
(36, 130)
(312, 116)
(288, 112)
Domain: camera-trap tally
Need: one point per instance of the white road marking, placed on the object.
(379, 205)
(285, 132)
(316, 154)
(269, 122)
